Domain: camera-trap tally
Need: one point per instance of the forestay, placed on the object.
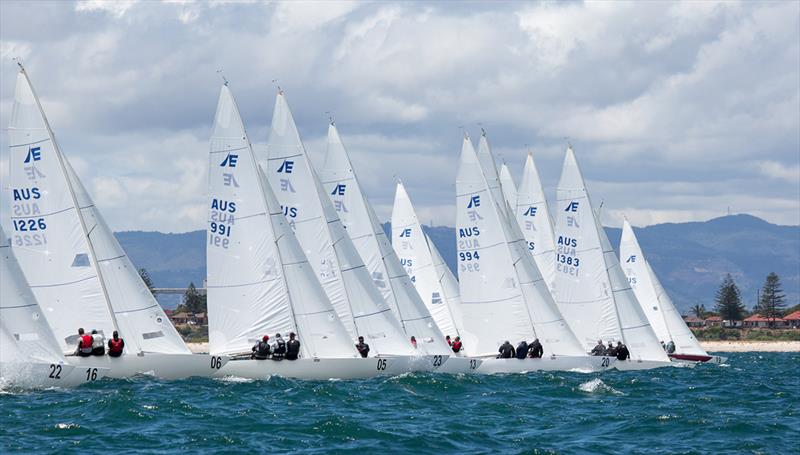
(434, 282)
(259, 281)
(590, 288)
(390, 278)
(322, 236)
(26, 337)
(73, 263)
(655, 302)
(533, 216)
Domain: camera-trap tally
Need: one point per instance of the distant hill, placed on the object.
(690, 259)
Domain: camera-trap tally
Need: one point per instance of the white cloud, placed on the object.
(676, 109)
(116, 8)
(775, 170)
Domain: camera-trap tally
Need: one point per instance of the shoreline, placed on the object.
(750, 346)
(710, 346)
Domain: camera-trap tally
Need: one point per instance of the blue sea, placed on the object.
(751, 404)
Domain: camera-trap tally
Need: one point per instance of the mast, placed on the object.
(74, 201)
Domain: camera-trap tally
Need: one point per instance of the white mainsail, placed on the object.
(492, 303)
(590, 288)
(432, 278)
(26, 335)
(548, 323)
(362, 224)
(508, 185)
(73, 263)
(325, 242)
(259, 281)
(533, 216)
(655, 302)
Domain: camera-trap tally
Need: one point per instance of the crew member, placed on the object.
(599, 349)
(535, 350)
(449, 341)
(522, 350)
(363, 348)
(292, 347)
(98, 343)
(671, 347)
(115, 345)
(506, 351)
(278, 348)
(622, 351)
(261, 349)
(414, 341)
(611, 351)
(457, 345)
(84, 344)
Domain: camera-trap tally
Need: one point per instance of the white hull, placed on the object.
(711, 359)
(45, 375)
(584, 364)
(428, 363)
(456, 365)
(163, 366)
(317, 369)
(634, 365)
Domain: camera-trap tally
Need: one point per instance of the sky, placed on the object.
(677, 111)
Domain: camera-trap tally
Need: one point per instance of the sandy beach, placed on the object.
(710, 346)
(751, 346)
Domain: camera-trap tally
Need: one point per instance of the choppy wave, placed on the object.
(753, 406)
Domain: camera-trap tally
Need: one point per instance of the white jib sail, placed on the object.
(494, 309)
(533, 216)
(656, 304)
(28, 337)
(327, 246)
(548, 322)
(590, 288)
(412, 247)
(259, 281)
(362, 224)
(74, 265)
(508, 185)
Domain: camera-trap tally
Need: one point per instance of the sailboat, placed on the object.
(76, 269)
(503, 296)
(338, 266)
(432, 278)
(29, 354)
(656, 304)
(259, 280)
(341, 183)
(533, 216)
(590, 287)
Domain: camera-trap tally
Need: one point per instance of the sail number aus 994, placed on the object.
(468, 255)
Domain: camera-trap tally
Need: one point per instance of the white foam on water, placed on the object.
(236, 379)
(67, 426)
(598, 386)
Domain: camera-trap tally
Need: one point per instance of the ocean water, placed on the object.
(749, 405)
